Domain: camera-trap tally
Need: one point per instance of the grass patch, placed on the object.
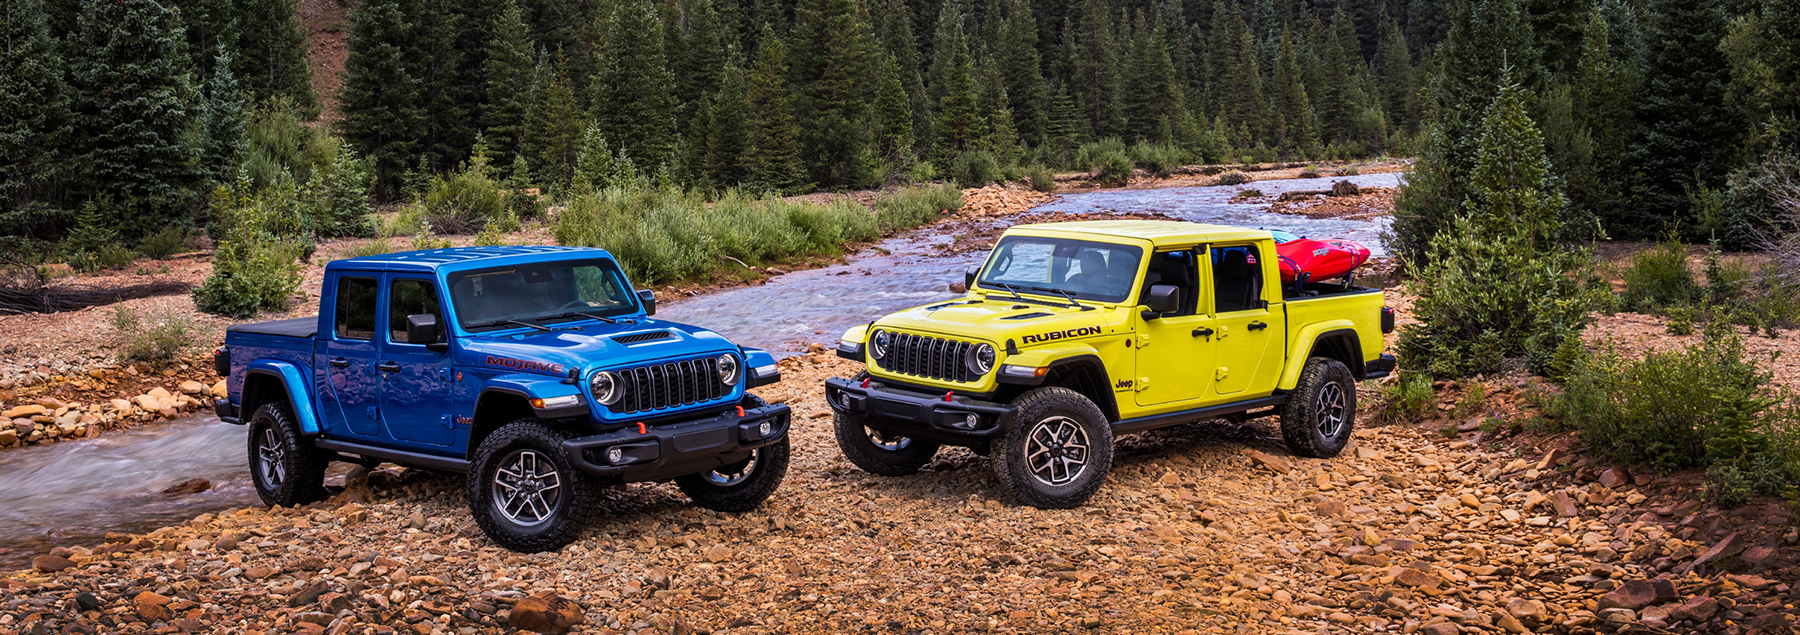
(157, 337)
(1409, 399)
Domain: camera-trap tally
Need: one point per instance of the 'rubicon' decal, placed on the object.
(1061, 335)
(524, 364)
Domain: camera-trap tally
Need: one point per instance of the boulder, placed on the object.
(1637, 594)
(51, 564)
(151, 607)
(548, 613)
(191, 387)
(218, 389)
(21, 412)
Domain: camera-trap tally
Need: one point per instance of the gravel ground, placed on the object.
(1206, 528)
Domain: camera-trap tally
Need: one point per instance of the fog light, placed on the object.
(765, 428)
(972, 420)
(614, 455)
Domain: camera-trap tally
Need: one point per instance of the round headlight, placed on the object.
(605, 386)
(878, 344)
(980, 359)
(728, 369)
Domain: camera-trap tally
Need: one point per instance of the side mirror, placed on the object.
(648, 299)
(423, 329)
(1163, 298)
(969, 277)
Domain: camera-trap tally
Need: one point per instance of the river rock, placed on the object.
(218, 389)
(308, 593)
(1699, 608)
(151, 606)
(159, 393)
(548, 613)
(85, 602)
(25, 426)
(1275, 464)
(191, 387)
(51, 564)
(191, 486)
(1637, 594)
(24, 411)
(8, 437)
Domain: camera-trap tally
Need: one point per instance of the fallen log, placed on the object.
(16, 300)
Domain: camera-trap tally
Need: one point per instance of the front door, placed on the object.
(415, 381)
(1250, 335)
(1174, 351)
(348, 356)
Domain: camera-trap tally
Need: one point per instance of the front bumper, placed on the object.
(940, 418)
(676, 449)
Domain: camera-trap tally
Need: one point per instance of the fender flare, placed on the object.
(1072, 354)
(293, 381)
(1310, 336)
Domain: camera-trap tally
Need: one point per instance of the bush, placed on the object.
(917, 206)
(1681, 320)
(255, 263)
(1702, 406)
(338, 195)
(277, 141)
(375, 247)
(1161, 159)
(1309, 173)
(975, 168)
(158, 337)
(1345, 188)
(165, 243)
(1234, 177)
(1112, 167)
(1658, 277)
(1041, 178)
(462, 202)
(1089, 154)
(1409, 398)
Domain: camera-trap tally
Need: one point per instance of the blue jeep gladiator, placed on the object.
(542, 378)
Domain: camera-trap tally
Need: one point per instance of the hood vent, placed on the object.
(639, 338)
(1028, 316)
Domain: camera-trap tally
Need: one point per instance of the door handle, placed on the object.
(389, 367)
(1204, 332)
(339, 362)
(1257, 326)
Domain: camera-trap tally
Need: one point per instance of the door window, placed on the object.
(1179, 268)
(356, 308)
(1237, 278)
(410, 297)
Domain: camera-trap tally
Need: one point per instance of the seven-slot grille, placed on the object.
(932, 357)
(669, 385)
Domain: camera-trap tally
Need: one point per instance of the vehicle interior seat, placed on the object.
(1235, 283)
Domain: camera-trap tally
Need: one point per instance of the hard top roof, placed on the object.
(431, 260)
(1158, 232)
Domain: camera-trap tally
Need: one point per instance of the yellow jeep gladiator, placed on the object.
(1074, 333)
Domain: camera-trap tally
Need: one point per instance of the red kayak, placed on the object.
(1322, 259)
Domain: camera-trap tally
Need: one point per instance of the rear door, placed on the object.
(1174, 351)
(416, 400)
(347, 355)
(1249, 342)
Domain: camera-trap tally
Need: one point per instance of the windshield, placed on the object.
(486, 299)
(1102, 272)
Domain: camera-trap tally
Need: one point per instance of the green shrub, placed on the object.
(375, 247)
(1088, 154)
(338, 195)
(1041, 178)
(462, 202)
(1113, 167)
(1409, 399)
(255, 264)
(276, 140)
(158, 337)
(917, 206)
(164, 243)
(975, 168)
(1659, 277)
(1681, 320)
(1161, 159)
(1234, 177)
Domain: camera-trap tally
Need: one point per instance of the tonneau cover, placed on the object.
(295, 327)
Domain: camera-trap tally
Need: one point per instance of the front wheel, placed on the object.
(285, 467)
(742, 485)
(524, 493)
(1318, 418)
(1059, 449)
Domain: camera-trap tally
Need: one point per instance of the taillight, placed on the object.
(222, 361)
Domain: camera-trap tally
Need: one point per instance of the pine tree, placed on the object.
(1022, 69)
(272, 58)
(1000, 135)
(1558, 26)
(1688, 135)
(209, 26)
(728, 130)
(1764, 48)
(222, 142)
(553, 124)
(1154, 102)
(773, 157)
(1336, 102)
(594, 163)
(633, 97)
(1063, 127)
(380, 99)
(1097, 85)
(960, 126)
(1241, 99)
(134, 107)
(435, 59)
(700, 63)
(830, 70)
(1394, 73)
(506, 74)
(1287, 96)
(1604, 86)
(893, 118)
(34, 134)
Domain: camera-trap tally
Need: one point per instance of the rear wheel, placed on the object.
(1320, 415)
(740, 486)
(879, 453)
(285, 467)
(524, 493)
(1059, 450)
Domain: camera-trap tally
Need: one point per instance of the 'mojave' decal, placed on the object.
(524, 364)
(1061, 335)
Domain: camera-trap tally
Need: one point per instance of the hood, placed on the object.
(596, 345)
(997, 320)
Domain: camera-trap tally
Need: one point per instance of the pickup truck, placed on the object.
(536, 371)
(1074, 333)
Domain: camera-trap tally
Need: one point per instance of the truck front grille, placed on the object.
(670, 385)
(929, 357)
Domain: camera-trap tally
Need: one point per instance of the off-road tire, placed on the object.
(770, 469)
(300, 477)
(907, 457)
(1048, 414)
(539, 443)
(1318, 418)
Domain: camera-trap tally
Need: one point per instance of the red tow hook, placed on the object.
(740, 412)
(642, 429)
(865, 382)
(948, 395)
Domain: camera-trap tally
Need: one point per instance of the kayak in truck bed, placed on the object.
(1318, 259)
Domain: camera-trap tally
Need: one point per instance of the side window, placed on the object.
(1178, 268)
(356, 308)
(1237, 278)
(410, 297)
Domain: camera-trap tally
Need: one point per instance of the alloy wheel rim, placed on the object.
(889, 442)
(1330, 410)
(271, 459)
(1056, 451)
(734, 474)
(527, 488)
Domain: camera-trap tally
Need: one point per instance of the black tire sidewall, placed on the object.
(305, 482)
(1298, 418)
(852, 433)
(570, 515)
(1010, 453)
(766, 477)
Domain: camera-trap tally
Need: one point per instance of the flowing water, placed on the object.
(77, 492)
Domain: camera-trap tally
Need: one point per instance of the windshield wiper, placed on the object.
(512, 322)
(1010, 289)
(585, 314)
(1073, 303)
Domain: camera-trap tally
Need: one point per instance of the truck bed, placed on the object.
(296, 327)
(1316, 290)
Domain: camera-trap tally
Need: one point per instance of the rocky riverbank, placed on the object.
(50, 405)
(1208, 528)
